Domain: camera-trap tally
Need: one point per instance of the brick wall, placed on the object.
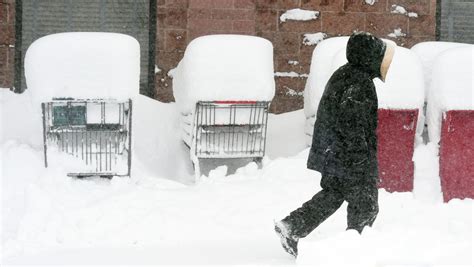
(180, 21)
(7, 42)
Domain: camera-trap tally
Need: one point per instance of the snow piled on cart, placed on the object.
(224, 67)
(83, 65)
(428, 53)
(451, 87)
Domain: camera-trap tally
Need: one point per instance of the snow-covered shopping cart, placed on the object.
(223, 87)
(84, 84)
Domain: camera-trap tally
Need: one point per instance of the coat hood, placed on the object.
(366, 52)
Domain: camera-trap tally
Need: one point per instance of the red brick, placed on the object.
(244, 4)
(342, 23)
(361, 6)
(160, 17)
(177, 3)
(433, 4)
(160, 40)
(176, 18)
(168, 60)
(299, 26)
(210, 24)
(199, 13)
(283, 66)
(11, 66)
(3, 57)
(3, 13)
(284, 103)
(422, 7)
(322, 5)
(7, 34)
(286, 43)
(11, 13)
(408, 42)
(192, 34)
(266, 20)
(211, 3)
(233, 14)
(161, 3)
(244, 26)
(175, 40)
(264, 4)
(424, 25)
(383, 24)
(289, 4)
(3, 66)
(164, 88)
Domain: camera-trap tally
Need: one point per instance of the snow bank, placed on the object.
(224, 67)
(48, 218)
(441, 237)
(428, 52)
(51, 219)
(158, 148)
(452, 86)
(83, 65)
(20, 119)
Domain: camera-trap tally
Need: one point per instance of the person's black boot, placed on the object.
(289, 242)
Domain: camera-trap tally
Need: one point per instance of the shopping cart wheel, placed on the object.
(258, 161)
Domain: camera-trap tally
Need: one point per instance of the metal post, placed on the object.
(43, 108)
(129, 137)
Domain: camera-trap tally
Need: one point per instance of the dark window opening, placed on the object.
(136, 18)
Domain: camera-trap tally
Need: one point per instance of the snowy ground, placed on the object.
(151, 218)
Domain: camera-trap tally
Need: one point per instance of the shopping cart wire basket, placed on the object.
(97, 131)
(230, 129)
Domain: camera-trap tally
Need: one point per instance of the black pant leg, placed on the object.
(362, 206)
(312, 213)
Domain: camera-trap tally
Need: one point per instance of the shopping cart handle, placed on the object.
(235, 102)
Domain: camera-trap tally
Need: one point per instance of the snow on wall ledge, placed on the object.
(224, 67)
(83, 65)
(452, 87)
(299, 14)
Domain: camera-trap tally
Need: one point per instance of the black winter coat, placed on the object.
(344, 139)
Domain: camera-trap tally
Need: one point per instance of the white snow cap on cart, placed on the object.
(452, 86)
(224, 67)
(320, 72)
(428, 52)
(83, 65)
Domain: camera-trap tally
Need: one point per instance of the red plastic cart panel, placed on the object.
(396, 141)
(456, 154)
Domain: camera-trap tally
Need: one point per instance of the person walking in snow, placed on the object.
(344, 145)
